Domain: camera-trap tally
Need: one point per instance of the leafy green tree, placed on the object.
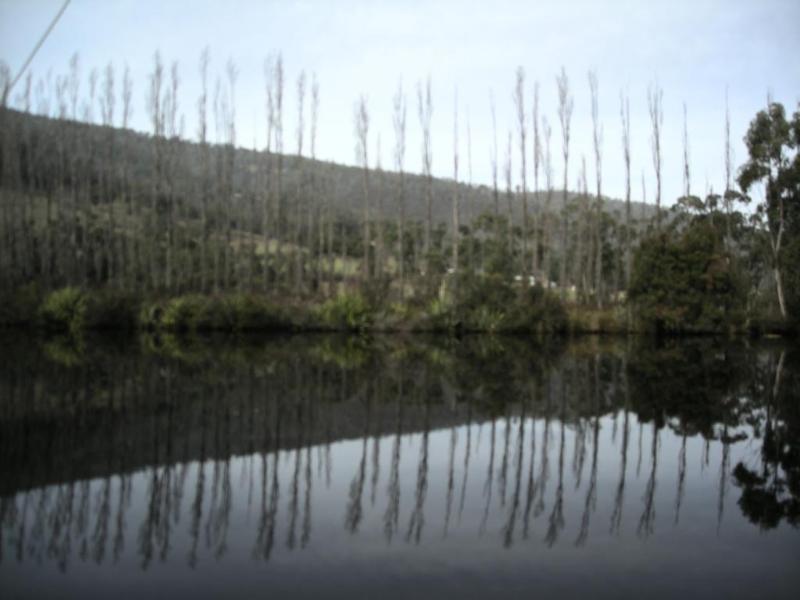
(772, 144)
(684, 280)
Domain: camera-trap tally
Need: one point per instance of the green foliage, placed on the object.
(233, 313)
(684, 282)
(346, 311)
(64, 310)
(491, 303)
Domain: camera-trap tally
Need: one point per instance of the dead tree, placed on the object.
(625, 117)
(655, 96)
(205, 166)
(565, 106)
(537, 159)
(597, 139)
(687, 176)
(519, 104)
(299, 189)
(399, 125)
(361, 122)
(456, 215)
(425, 112)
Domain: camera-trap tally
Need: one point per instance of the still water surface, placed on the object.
(318, 466)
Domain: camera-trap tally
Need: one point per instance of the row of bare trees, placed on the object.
(92, 206)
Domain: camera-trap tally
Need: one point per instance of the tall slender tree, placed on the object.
(361, 123)
(597, 144)
(625, 117)
(655, 97)
(456, 211)
(399, 126)
(519, 105)
(565, 107)
(425, 112)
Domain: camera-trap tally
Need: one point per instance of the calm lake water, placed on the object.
(318, 466)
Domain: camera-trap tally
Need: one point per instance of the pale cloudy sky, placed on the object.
(694, 49)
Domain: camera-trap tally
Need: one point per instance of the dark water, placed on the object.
(323, 466)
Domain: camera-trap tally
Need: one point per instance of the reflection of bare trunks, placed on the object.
(681, 479)
(619, 497)
(648, 518)
(508, 532)
(487, 487)
(417, 521)
(450, 480)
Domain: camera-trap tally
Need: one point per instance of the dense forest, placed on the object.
(106, 227)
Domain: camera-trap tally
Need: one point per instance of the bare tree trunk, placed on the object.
(495, 193)
(547, 164)
(107, 113)
(425, 110)
(205, 166)
(597, 138)
(565, 106)
(399, 124)
(155, 110)
(519, 102)
(537, 157)
(300, 189)
(362, 156)
(456, 215)
(625, 115)
(655, 96)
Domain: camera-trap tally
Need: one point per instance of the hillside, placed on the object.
(340, 185)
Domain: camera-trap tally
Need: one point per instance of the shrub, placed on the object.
(347, 311)
(64, 310)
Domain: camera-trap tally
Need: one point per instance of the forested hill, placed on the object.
(50, 146)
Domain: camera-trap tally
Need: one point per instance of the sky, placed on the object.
(694, 50)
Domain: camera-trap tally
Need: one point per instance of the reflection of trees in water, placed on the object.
(181, 425)
(771, 490)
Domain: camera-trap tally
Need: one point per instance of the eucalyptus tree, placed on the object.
(299, 187)
(471, 204)
(493, 159)
(519, 105)
(507, 172)
(322, 207)
(456, 214)
(399, 126)
(229, 127)
(277, 91)
(773, 145)
(625, 117)
(6, 154)
(107, 101)
(425, 112)
(205, 166)
(172, 145)
(155, 111)
(729, 193)
(269, 214)
(547, 168)
(687, 176)
(597, 144)
(379, 223)
(130, 247)
(655, 97)
(361, 125)
(537, 159)
(565, 106)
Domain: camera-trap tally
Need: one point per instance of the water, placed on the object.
(318, 466)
